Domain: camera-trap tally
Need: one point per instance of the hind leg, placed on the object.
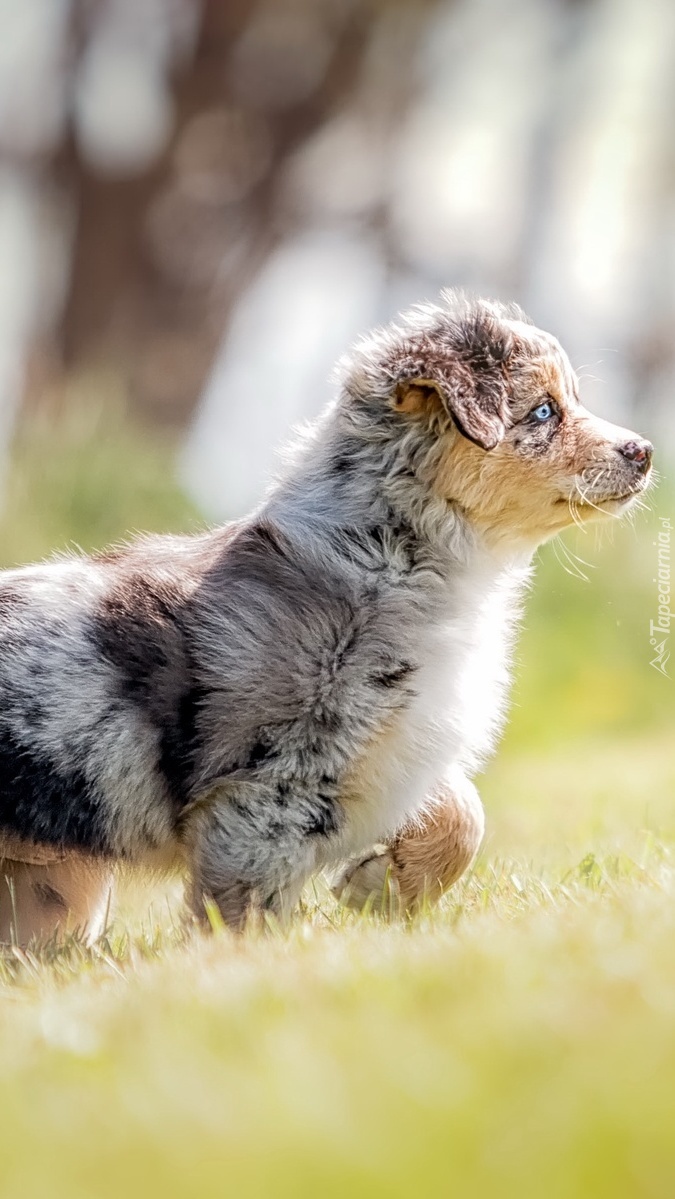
(424, 857)
(38, 901)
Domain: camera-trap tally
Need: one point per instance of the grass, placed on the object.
(518, 1039)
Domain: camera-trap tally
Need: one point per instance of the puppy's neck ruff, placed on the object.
(352, 472)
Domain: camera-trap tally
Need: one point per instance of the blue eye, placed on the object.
(544, 412)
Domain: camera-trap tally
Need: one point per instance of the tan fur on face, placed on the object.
(529, 488)
(500, 494)
(417, 399)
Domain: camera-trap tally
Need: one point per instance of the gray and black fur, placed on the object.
(224, 694)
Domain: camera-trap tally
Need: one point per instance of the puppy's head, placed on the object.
(515, 449)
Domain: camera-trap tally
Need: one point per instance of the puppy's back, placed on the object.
(93, 665)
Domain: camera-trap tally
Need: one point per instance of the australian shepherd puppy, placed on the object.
(315, 684)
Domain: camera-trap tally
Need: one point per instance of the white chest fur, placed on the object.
(459, 705)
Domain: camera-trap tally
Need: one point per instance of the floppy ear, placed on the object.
(465, 370)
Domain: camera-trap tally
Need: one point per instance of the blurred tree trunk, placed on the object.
(157, 266)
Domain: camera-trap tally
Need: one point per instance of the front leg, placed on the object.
(424, 857)
(252, 846)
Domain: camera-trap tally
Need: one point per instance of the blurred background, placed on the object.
(203, 201)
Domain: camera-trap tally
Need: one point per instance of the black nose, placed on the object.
(638, 451)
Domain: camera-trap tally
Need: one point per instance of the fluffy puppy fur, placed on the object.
(283, 694)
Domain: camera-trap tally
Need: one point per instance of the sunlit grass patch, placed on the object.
(85, 479)
(517, 1039)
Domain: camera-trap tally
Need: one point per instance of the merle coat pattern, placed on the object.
(279, 695)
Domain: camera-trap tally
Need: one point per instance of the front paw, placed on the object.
(368, 881)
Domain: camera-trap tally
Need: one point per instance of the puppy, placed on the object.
(283, 694)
